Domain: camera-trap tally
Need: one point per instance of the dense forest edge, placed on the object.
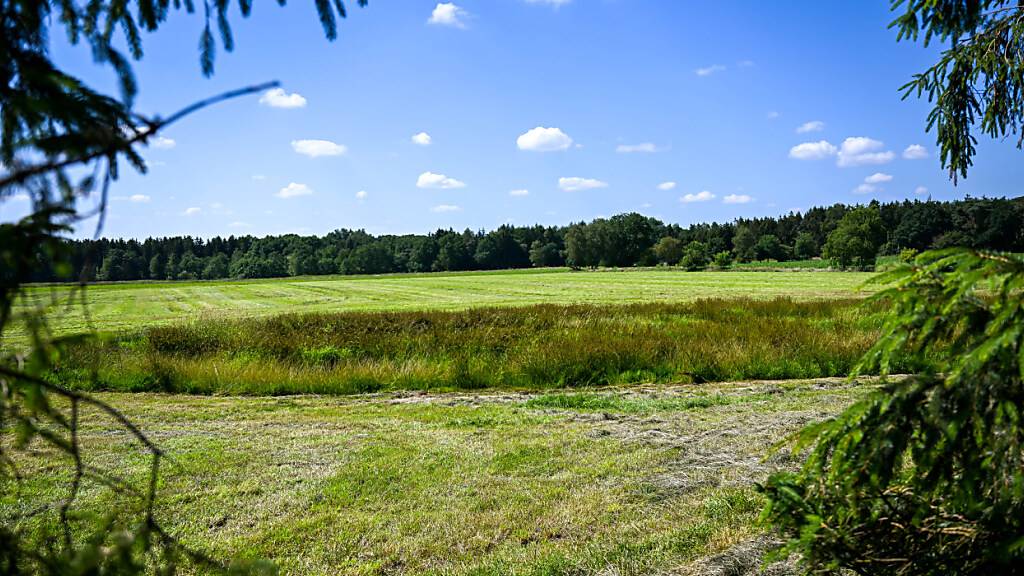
(845, 236)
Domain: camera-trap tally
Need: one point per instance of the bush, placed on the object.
(926, 475)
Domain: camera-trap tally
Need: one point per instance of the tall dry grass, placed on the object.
(526, 347)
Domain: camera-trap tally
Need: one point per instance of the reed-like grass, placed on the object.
(534, 347)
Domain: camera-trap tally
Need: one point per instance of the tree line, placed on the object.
(847, 235)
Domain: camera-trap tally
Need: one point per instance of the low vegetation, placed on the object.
(454, 484)
(526, 347)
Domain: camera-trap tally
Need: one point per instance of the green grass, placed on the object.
(623, 481)
(529, 347)
(130, 306)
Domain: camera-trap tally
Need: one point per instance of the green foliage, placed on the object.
(926, 475)
(722, 259)
(695, 257)
(978, 82)
(668, 250)
(805, 247)
(855, 242)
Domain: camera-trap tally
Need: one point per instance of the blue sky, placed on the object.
(749, 108)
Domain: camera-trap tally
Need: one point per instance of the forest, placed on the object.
(623, 240)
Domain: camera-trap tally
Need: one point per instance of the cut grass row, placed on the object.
(532, 347)
(620, 481)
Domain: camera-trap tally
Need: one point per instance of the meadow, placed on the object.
(541, 423)
(526, 347)
(133, 305)
(626, 481)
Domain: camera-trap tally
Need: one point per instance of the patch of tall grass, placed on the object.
(536, 347)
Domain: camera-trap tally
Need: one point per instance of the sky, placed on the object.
(426, 115)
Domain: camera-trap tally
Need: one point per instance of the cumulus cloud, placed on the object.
(773, 115)
(448, 14)
(670, 185)
(19, 197)
(631, 148)
(423, 139)
(192, 211)
(861, 150)
(878, 178)
(915, 152)
(519, 192)
(703, 196)
(575, 184)
(294, 190)
(361, 195)
(737, 199)
(162, 142)
(813, 150)
(317, 148)
(865, 188)
(920, 190)
(542, 139)
(259, 177)
(812, 126)
(709, 70)
(431, 180)
(139, 198)
(278, 98)
(445, 208)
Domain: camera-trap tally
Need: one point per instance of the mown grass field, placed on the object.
(627, 481)
(128, 306)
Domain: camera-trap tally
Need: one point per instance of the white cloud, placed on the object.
(139, 198)
(812, 150)
(192, 211)
(278, 98)
(431, 180)
(737, 199)
(915, 152)
(630, 148)
(709, 70)
(294, 190)
(555, 3)
(361, 195)
(541, 139)
(258, 177)
(575, 184)
(703, 196)
(865, 189)
(812, 126)
(670, 185)
(317, 148)
(773, 115)
(920, 190)
(162, 142)
(878, 178)
(860, 150)
(448, 14)
(19, 197)
(238, 224)
(519, 192)
(445, 208)
(423, 139)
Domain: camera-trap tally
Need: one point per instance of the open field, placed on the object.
(653, 480)
(128, 306)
